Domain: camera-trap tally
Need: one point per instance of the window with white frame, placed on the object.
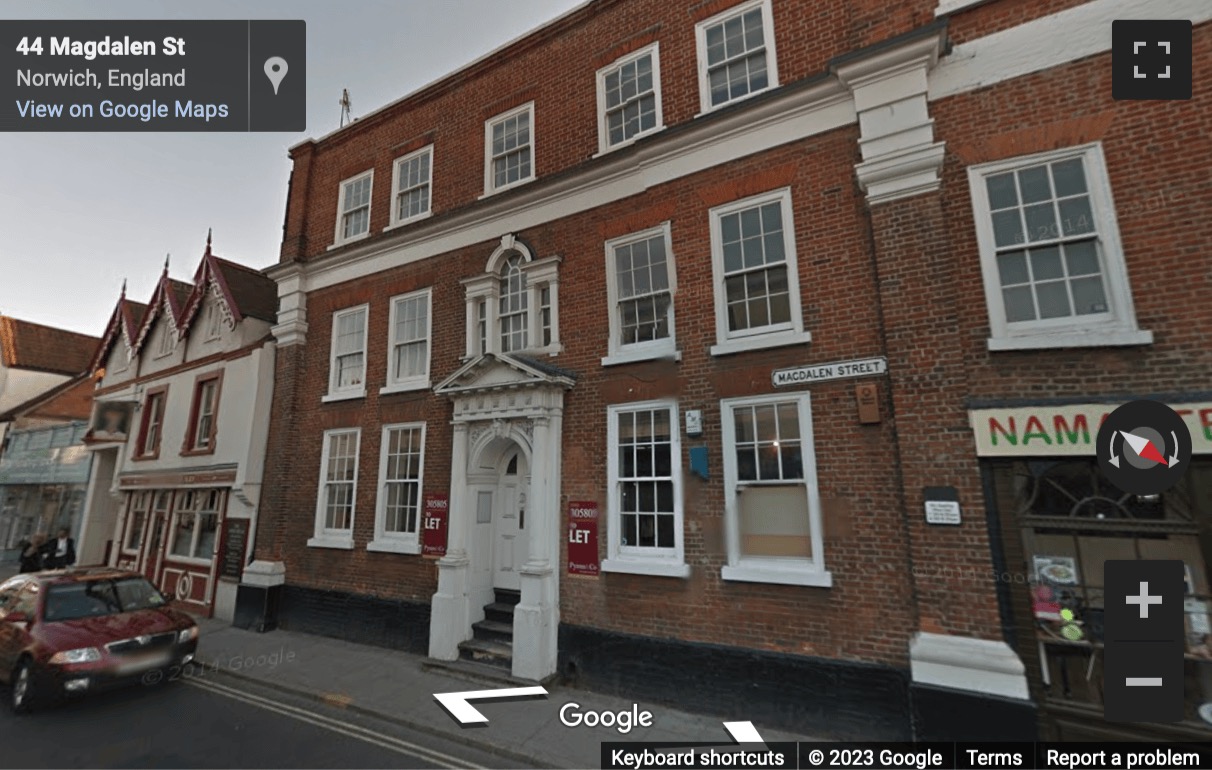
(202, 428)
(509, 149)
(736, 54)
(772, 504)
(514, 310)
(196, 523)
(398, 512)
(168, 340)
(1050, 252)
(214, 320)
(353, 208)
(347, 365)
(335, 502)
(629, 98)
(757, 288)
(412, 180)
(408, 349)
(514, 306)
(644, 496)
(640, 284)
(153, 423)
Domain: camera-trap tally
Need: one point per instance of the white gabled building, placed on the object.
(184, 388)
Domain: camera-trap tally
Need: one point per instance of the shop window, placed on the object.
(137, 520)
(1062, 520)
(196, 523)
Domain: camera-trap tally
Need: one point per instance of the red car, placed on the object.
(69, 632)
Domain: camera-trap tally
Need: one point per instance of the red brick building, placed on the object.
(734, 276)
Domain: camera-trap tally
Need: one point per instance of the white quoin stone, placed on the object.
(890, 88)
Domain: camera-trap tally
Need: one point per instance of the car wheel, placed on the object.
(22, 696)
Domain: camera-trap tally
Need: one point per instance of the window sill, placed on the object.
(144, 458)
(331, 541)
(405, 387)
(388, 545)
(347, 241)
(749, 573)
(606, 150)
(951, 6)
(654, 568)
(351, 395)
(407, 222)
(197, 561)
(210, 450)
(506, 188)
(1073, 339)
(713, 108)
(554, 349)
(634, 356)
(761, 342)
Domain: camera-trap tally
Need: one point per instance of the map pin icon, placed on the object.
(275, 70)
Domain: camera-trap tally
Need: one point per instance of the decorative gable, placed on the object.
(501, 371)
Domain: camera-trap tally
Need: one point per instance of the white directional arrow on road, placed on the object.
(743, 732)
(457, 702)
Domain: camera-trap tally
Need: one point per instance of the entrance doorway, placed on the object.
(153, 550)
(509, 524)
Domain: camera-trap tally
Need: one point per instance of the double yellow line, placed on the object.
(397, 745)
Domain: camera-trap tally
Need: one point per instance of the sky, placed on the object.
(82, 212)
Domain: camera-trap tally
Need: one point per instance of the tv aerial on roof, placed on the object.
(346, 117)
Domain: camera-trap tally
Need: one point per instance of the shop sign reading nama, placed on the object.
(1066, 430)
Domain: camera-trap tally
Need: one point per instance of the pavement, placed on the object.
(399, 687)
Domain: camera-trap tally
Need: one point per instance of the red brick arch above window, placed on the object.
(1028, 141)
(754, 184)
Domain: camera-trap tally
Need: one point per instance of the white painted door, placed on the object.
(509, 526)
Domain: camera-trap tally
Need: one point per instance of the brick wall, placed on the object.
(556, 67)
(1156, 159)
(902, 279)
(867, 615)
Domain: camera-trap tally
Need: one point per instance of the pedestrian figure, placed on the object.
(31, 553)
(60, 552)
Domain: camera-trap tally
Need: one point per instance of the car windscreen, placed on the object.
(95, 598)
(138, 594)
